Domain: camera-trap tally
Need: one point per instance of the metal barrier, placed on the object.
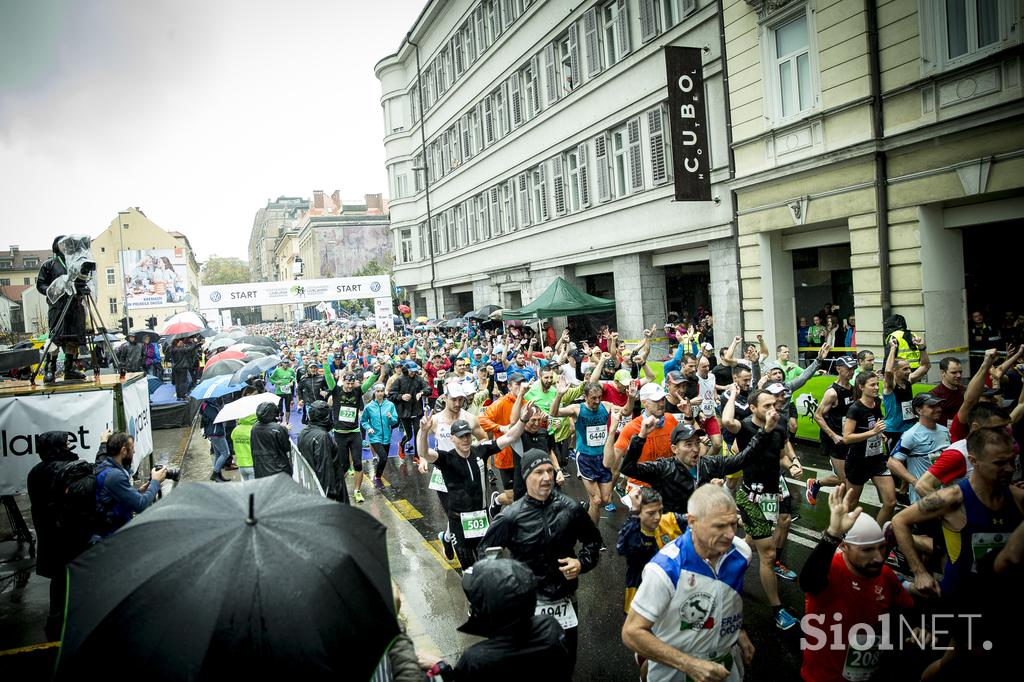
(304, 475)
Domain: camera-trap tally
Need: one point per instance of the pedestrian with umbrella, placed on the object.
(268, 582)
(271, 448)
(151, 360)
(215, 433)
(181, 364)
(317, 445)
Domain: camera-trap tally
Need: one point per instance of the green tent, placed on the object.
(561, 299)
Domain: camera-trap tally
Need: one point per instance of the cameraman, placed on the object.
(116, 500)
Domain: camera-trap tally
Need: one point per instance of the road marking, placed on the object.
(868, 495)
(405, 508)
(31, 647)
(435, 548)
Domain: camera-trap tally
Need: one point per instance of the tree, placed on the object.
(225, 271)
(374, 267)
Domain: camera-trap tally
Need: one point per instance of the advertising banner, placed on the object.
(138, 418)
(382, 314)
(808, 397)
(24, 418)
(309, 291)
(155, 278)
(691, 162)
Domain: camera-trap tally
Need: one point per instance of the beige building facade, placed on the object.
(131, 230)
(879, 155)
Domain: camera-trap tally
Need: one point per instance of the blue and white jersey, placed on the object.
(695, 607)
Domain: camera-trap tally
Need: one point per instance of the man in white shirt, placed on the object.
(687, 615)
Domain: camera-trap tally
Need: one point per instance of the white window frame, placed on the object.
(618, 158)
(674, 11)
(530, 91)
(614, 24)
(112, 306)
(405, 253)
(111, 276)
(538, 194)
(934, 47)
(773, 98)
(574, 192)
(508, 207)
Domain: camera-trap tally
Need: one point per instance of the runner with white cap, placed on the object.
(847, 592)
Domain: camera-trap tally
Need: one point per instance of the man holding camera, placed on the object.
(116, 500)
(64, 280)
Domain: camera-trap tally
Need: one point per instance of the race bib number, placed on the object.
(983, 543)
(707, 407)
(561, 610)
(769, 505)
(907, 409)
(862, 656)
(346, 413)
(474, 523)
(597, 435)
(437, 481)
(873, 447)
(501, 376)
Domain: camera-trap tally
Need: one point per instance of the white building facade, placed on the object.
(548, 154)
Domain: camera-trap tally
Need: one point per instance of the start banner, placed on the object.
(23, 418)
(308, 291)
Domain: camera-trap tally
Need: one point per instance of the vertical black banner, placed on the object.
(691, 162)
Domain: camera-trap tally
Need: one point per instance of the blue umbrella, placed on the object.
(215, 388)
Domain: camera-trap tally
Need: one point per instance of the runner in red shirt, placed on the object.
(852, 586)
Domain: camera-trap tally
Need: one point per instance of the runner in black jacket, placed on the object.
(677, 477)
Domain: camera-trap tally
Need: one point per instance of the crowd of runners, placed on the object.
(699, 450)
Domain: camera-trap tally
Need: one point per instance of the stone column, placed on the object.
(484, 294)
(723, 258)
(778, 299)
(639, 294)
(942, 284)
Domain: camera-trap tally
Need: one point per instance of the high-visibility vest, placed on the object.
(903, 349)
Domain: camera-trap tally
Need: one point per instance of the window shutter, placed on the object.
(506, 13)
(655, 125)
(446, 158)
(469, 40)
(549, 73)
(636, 170)
(495, 211)
(604, 181)
(481, 29)
(581, 156)
(536, 85)
(460, 64)
(516, 100)
(622, 27)
(648, 19)
(688, 6)
(543, 192)
(574, 56)
(467, 137)
(524, 199)
(488, 121)
(455, 140)
(557, 185)
(592, 43)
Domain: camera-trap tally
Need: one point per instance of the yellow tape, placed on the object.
(656, 338)
(807, 349)
(27, 649)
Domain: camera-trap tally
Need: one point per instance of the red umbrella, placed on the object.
(181, 328)
(404, 309)
(225, 355)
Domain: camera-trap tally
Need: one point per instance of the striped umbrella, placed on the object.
(215, 388)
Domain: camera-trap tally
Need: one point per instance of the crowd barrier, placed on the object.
(304, 475)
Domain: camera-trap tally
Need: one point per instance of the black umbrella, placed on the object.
(486, 311)
(254, 580)
(255, 354)
(255, 368)
(451, 316)
(259, 341)
(139, 333)
(225, 366)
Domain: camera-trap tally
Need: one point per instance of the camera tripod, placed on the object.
(98, 329)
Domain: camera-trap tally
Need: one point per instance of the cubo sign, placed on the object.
(691, 162)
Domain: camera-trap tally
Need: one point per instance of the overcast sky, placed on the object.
(196, 111)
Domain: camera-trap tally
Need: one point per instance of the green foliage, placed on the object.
(225, 271)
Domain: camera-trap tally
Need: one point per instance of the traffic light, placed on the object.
(151, 322)
(124, 324)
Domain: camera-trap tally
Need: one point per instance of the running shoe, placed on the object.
(401, 454)
(620, 487)
(378, 484)
(357, 496)
(447, 547)
(890, 538)
(784, 621)
(812, 491)
(783, 572)
(610, 507)
(491, 478)
(494, 508)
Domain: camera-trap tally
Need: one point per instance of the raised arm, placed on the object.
(976, 386)
(515, 429)
(556, 405)
(729, 420)
(926, 362)
(729, 358)
(888, 372)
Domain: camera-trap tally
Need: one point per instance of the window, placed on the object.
(28, 280)
(6, 265)
(460, 224)
(508, 206)
(500, 112)
(494, 198)
(650, 19)
(675, 10)
(793, 75)
(970, 26)
(112, 306)
(493, 19)
(568, 60)
(422, 230)
(111, 277)
(482, 220)
(531, 88)
(615, 31)
(405, 245)
(523, 200)
(5, 282)
(435, 238)
(575, 162)
(470, 208)
(451, 229)
(955, 32)
(659, 145)
(620, 164)
(592, 43)
(31, 262)
(402, 186)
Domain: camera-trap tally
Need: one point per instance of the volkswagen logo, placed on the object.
(215, 296)
(374, 286)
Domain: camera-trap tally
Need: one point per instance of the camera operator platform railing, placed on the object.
(304, 475)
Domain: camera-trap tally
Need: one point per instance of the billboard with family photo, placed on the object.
(155, 277)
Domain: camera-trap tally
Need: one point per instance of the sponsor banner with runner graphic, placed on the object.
(23, 418)
(808, 397)
(139, 424)
(310, 291)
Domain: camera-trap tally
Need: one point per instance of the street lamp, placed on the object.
(120, 264)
